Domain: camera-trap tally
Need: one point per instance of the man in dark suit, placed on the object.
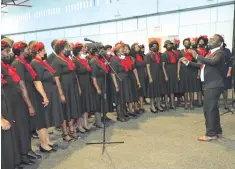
(52, 56)
(212, 77)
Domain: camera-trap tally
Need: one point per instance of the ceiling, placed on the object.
(7, 1)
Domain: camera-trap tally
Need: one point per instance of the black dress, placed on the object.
(25, 75)
(99, 72)
(88, 91)
(52, 114)
(124, 95)
(19, 111)
(171, 70)
(133, 83)
(189, 82)
(10, 152)
(141, 69)
(158, 86)
(227, 64)
(68, 79)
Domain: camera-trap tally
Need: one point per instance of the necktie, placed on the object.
(202, 65)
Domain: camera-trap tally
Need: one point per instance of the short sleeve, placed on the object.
(39, 69)
(147, 59)
(94, 69)
(114, 65)
(20, 69)
(57, 67)
(164, 58)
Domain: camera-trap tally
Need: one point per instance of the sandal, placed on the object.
(73, 135)
(64, 135)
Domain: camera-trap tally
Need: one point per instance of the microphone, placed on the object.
(89, 40)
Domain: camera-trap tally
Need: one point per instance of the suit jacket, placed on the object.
(213, 71)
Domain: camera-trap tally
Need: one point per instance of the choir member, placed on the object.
(47, 96)
(9, 150)
(69, 89)
(121, 82)
(187, 76)
(227, 74)
(202, 51)
(110, 95)
(202, 43)
(140, 65)
(177, 53)
(193, 42)
(170, 72)
(156, 81)
(99, 73)
(134, 82)
(29, 59)
(53, 55)
(21, 105)
(83, 71)
(142, 52)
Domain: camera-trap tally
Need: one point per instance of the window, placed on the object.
(87, 3)
(97, 2)
(90, 3)
(84, 4)
(80, 4)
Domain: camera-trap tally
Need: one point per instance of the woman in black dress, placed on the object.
(69, 89)
(202, 51)
(187, 76)
(98, 73)
(134, 82)
(140, 65)
(121, 82)
(156, 86)
(47, 96)
(170, 72)
(83, 71)
(28, 75)
(227, 74)
(20, 105)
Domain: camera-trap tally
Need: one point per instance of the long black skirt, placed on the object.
(172, 84)
(188, 80)
(158, 87)
(101, 102)
(132, 87)
(88, 93)
(72, 107)
(124, 94)
(52, 115)
(10, 151)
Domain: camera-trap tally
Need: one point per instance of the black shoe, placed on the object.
(44, 150)
(35, 135)
(54, 146)
(160, 109)
(132, 114)
(173, 107)
(127, 118)
(30, 162)
(33, 155)
(153, 111)
(141, 110)
(121, 119)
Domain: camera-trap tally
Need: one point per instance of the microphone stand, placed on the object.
(104, 100)
(231, 110)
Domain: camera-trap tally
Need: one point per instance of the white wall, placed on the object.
(185, 24)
